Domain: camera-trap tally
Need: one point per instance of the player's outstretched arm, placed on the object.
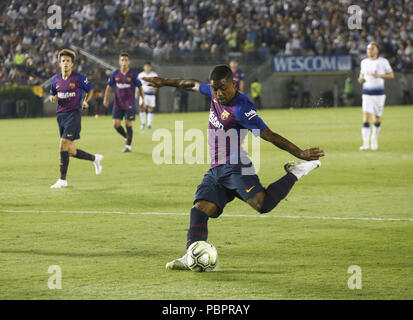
(284, 144)
(183, 84)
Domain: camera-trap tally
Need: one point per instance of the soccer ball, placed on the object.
(202, 256)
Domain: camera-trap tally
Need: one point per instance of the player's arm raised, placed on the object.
(183, 84)
(284, 144)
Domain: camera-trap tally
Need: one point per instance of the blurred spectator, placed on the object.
(179, 30)
(305, 93)
(293, 91)
(349, 90)
(256, 93)
(237, 74)
(405, 89)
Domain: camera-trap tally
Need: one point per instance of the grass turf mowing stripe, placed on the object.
(227, 215)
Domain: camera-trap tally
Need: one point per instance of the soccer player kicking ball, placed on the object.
(373, 71)
(66, 90)
(231, 110)
(126, 82)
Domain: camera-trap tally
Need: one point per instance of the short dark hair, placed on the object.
(68, 53)
(147, 62)
(124, 54)
(220, 72)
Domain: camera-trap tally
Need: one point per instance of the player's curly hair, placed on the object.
(221, 71)
(68, 53)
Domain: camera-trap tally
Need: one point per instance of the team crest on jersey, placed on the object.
(128, 79)
(72, 85)
(224, 115)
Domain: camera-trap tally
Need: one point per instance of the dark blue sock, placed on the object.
(121, 131)
(129, 135)
(277, 191)
(198, 227)
(64, 163)
(80, 154)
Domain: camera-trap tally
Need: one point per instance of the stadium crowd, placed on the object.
(173, 30)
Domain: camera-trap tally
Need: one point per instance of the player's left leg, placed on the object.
(375, 133)
(378, 111)
(129, 130)
(265, 200)
(151, 115)
(83, 155)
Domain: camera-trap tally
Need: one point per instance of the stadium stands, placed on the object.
(196, 31)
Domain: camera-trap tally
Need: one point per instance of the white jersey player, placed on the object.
(150, 96)
(373, 71)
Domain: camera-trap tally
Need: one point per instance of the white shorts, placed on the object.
(373, 104)
(150, 100)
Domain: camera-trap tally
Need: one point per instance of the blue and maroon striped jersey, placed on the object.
(69, 91)
(228, 127)
(238, 76)
(125, 89)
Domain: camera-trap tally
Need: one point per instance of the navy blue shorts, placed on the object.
(69, 124)
(128, 114)
(225, 182)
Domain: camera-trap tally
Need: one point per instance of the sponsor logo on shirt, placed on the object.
(251, 114)
(214, 121)
(66, 95)
(123, 85)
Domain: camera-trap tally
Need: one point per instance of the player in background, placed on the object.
(237, 74)
(226, 179)
(149, 101)
(125, 82)
(66, 89)
(373, 71)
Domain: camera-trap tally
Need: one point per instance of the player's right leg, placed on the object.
(198, 230)
(375, 132)
(367, 107)
(142, 114)
(210, 199)
(64, 164)
(63, 123)
(117, 116)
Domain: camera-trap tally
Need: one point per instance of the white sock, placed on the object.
(142, 115)
(150, 118)
(376, 131)
(365, 134)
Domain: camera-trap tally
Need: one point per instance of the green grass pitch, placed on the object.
(289, 253)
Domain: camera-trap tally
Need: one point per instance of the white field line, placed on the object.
(258, 216)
